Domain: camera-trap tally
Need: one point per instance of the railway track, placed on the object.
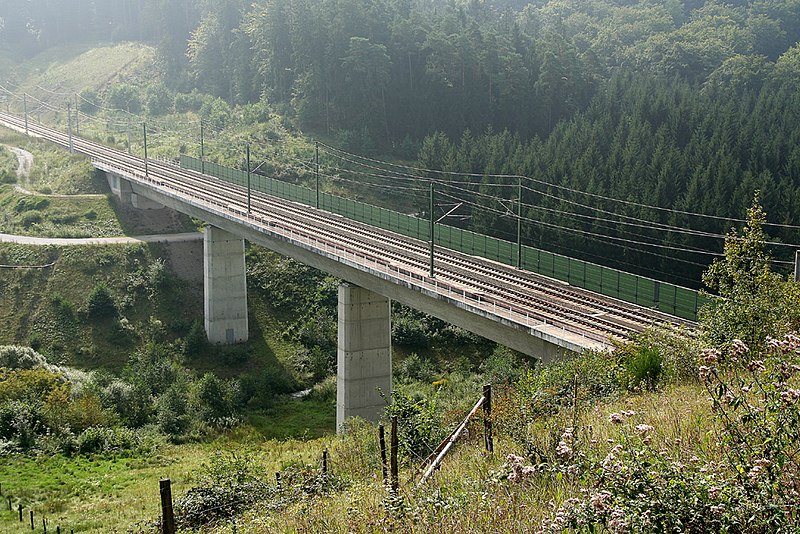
(521, 295)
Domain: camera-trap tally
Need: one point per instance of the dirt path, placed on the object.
(24, 162)
(24, 166)
(66, 241)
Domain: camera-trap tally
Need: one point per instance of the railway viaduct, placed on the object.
(512, 307)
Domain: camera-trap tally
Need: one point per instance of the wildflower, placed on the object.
(738, 348)
(616, 418)
(756, 365)
(790, 396)
(618, 522)
(601, 500)
(644, 429)
(710, 356)
(628, 413)
(704, 372)
(565, 445)
(757, 469)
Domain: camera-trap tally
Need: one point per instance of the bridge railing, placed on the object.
(665, 297)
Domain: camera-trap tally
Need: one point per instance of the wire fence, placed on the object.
(665, 297)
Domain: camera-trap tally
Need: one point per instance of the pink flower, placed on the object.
(704, 372)
(710, 356)
(601, 500)
(756, 365)
(790, 396)
(616, 418)
(738, 348)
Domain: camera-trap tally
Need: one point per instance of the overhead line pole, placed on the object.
(144, 129)
(797, 266)
(316, 158)
(433, 230)
(202, 149)
(519, 226)
(69, 126)
(77, 117)
(248, 178)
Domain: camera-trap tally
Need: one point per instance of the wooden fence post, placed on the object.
(487, 418)
(20, 513)
(168, 517)
(32, 527)
(393, 452)
(325, 462)
(382, 442)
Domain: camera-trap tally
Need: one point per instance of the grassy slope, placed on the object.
(69, 69)
(466, 495)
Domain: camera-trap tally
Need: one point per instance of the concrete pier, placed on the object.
(364, 355)
(225, 287)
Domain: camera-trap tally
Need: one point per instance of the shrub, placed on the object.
(409, 331)
(158, 99)
(30, 218)
(106, 440)
(101, 303)
(503, 366)
(419, 425)
(15, 357)
(172, 412)
(216, 398)
(90, 215)
(31, 203)
(125, 97)
(88, 101)
(196, 339)
(227, 485)
(415, 367)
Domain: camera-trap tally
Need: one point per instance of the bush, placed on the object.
(172, 412)
(31, 203)
(15, 357)
(225, 487)
(125, 97)
(158, 99)
(415, 367)
(216, 398)
(101, 303)
(419, 425)
(31, 218)
(503, 366)
(196, 339)
(106, 440)
(88, 101)
(409, 331)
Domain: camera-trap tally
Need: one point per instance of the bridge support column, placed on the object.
(364, 355)
(225, 287)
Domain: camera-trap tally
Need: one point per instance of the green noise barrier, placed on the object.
(665, 297)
